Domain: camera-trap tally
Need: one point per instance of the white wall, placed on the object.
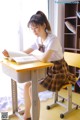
(56, 18)
(53, 10)
(60, 28)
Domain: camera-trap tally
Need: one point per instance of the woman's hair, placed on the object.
(39, 19)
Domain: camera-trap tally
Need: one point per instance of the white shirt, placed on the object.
(51, 43)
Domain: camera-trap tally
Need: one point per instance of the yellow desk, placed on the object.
(23, 73)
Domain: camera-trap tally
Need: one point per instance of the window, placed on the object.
(14, 34)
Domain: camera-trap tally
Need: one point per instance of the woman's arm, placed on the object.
(7, 53)
(28, 51)
(47, 55)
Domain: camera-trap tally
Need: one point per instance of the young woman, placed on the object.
(46, 42)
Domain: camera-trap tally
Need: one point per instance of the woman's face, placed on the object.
(37, 29)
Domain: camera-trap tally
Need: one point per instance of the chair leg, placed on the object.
(69, 106)
(60, 102)
(69, 100)
(54, 102)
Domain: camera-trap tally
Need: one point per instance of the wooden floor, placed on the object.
(54, 113)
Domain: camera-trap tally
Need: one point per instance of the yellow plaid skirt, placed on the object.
(57, 76)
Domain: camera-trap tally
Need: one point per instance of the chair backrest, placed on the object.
(73, 59)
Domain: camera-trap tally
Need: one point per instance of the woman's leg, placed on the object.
(27, 100)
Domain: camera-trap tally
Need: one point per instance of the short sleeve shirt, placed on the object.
(51, 43)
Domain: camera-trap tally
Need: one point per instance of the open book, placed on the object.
(22, 58)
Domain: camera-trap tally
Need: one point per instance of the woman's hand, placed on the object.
(5, 53)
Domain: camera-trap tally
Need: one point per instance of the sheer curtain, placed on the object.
(14, 35)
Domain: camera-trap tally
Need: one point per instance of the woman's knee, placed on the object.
(40, 88)
(27, 85)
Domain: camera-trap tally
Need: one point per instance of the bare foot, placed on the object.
(25, 117)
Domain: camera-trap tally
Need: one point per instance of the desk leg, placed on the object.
(14, 96)
(34, 95)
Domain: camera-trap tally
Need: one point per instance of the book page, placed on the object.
(17, 53)
(24, 59)
(20, 57)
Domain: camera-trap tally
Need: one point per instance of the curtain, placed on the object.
(14, 35)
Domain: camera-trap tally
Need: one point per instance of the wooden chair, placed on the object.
(73, 59)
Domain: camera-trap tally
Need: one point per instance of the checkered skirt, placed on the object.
(57, 76)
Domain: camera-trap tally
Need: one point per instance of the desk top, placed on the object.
(24, 67)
